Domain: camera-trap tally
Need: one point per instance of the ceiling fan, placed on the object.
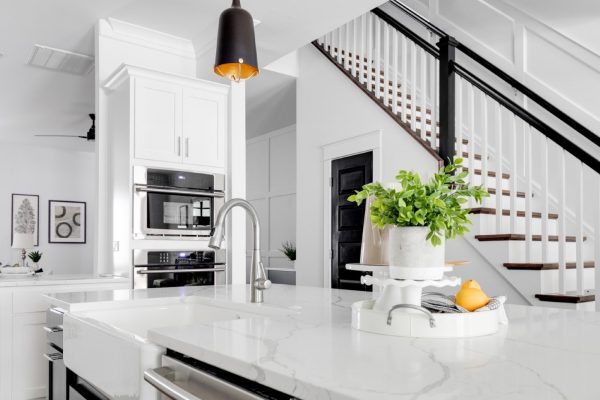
(90, 135)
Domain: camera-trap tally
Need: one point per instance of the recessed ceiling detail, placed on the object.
(60, 60)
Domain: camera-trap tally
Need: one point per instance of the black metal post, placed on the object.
(447, 45)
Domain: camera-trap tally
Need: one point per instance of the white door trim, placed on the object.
(370, 141)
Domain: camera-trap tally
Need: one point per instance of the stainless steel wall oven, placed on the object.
(155, 269)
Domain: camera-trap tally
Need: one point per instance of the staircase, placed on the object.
(533, 228)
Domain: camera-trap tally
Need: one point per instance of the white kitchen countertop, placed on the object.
(8, 280)
(313, 353)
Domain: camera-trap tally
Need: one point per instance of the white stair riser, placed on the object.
(549, 281)
(486, 224)
(504, 201)
(514, 251)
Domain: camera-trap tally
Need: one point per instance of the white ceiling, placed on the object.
(34, 100)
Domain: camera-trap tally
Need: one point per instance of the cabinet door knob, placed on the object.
(187, 147)
(178, 145)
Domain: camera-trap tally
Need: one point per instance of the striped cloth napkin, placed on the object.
(439, 302)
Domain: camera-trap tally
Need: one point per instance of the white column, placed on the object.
(236, 183)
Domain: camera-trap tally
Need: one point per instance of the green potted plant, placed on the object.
(289, 249)
(35, 257)
(420, 216)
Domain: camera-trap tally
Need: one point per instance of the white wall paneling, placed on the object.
(271, 188)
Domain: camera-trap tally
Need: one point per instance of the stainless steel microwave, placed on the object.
(176, 203)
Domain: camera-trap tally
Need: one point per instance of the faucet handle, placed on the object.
(262, 284)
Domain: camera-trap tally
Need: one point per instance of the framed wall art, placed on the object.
(25, 216)
(66, 221)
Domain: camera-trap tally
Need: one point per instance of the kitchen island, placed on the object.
(300, 342)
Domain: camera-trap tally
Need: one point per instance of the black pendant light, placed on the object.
(236, 48)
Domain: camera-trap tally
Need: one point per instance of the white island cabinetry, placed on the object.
(23, 369)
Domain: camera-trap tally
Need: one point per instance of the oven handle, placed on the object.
(179, 191)
(178, 271)
(178, 265)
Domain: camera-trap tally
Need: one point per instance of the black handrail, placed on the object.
(527, 116)
(425, 45)
(588, 134)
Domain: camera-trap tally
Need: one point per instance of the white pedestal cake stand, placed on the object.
(397, 310)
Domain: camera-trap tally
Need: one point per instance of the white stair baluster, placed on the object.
(423, 87)
(395, 71)
(413, 89)
(562, 216)
(354, 46)
(386, 63)
(327, 42)
(347, 47)
(433, 92)
(339, 45)
(377, 63)
(370, 53)
(471, 146)
(484, 146)
(404, 85)
(499, 170)
(528, 133)
(514, 174)
(545, 191)
(363, 46)
(579, 237)
(459, 116)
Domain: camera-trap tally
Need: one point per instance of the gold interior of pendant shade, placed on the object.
(236, 71)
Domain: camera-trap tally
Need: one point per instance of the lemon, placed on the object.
(471, 297)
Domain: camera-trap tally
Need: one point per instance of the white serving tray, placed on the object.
(411, 323)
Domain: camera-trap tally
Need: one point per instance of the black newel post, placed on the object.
(447, 47)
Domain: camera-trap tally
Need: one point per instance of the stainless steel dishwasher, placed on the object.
(184, 378)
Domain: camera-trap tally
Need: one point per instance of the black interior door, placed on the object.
(348, 175)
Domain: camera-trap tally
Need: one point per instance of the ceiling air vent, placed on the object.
(61, 60)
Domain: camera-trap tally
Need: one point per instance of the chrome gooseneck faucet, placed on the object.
(259, 276)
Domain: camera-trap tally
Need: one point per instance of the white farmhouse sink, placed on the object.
(109, 348)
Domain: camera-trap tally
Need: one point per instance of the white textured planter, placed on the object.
(412, 256)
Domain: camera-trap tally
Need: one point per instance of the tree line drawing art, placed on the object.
(25, 215)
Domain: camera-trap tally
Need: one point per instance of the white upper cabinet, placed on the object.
(204, 123)
(157, 124)
(175, 121)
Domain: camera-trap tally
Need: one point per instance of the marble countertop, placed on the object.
(310, 351)
(8, 280)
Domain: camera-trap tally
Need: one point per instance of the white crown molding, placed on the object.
(145, 37)
(124, 71)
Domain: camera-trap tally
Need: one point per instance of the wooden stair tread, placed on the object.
(475, 156)
(545, 266)
(506, 212)
(521, 237)
(569, 297)
(506, 192)
(491, 174)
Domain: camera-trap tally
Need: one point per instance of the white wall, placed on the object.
(331, 108)
(53, 174)
(271, 188)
